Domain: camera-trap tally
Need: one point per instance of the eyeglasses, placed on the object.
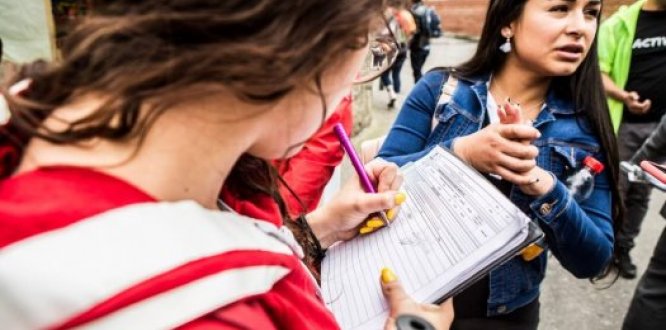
(382, 52)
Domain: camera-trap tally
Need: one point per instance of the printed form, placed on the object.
(453, 224)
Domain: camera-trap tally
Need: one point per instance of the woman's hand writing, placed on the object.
(340, 219)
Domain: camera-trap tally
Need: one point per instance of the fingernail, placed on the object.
(374, 223)
(366, 230)
(390, 214)
(388, 276)
(400, 198)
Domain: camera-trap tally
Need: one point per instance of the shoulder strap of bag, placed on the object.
(445, 95)
(370, 148)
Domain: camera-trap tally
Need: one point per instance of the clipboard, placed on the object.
(534, 235)
(454, 229)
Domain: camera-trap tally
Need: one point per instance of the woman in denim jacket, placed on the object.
(542, 54)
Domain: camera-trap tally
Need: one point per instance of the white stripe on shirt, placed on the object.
(51, 277)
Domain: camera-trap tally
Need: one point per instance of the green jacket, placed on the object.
(616, 36)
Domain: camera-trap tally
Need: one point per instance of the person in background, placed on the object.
(114, 157)
(419, 44)
(646, 311)
(435, 23)
(402, 25)
(541, 54)
(632, 55)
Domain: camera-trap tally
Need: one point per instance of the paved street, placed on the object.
(566, 302)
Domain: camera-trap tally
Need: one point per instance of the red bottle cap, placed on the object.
(595, 166)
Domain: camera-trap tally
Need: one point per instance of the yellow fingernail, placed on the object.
(374, 223)
(388, 276)
(400, 198)
(390, 214)
(366, 230)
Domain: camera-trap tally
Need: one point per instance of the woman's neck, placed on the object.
(521, 86)
(187, 154)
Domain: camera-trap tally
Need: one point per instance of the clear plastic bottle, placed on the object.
(581, 183)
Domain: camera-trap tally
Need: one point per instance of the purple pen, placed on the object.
(358, 166)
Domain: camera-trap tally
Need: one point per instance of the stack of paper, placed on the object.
(454, 227)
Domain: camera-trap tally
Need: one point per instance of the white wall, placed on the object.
(26, 30)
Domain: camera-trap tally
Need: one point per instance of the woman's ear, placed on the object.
(507, 32)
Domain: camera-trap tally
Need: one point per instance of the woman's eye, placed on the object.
(559, 9)
(592, 12)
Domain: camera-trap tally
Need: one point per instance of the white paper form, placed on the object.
(453, 224)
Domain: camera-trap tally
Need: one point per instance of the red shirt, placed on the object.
(79, 247)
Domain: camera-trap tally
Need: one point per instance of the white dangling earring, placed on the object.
(506, 46)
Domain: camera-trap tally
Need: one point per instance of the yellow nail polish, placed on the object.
(390, 214)
(366, 230)
(374, 223)
(388, 276)
(400, 198)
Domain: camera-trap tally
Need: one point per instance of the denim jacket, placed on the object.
(579, 234)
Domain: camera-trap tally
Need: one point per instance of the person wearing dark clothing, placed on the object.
(654, 148)
(648, 304)
(632, 52)
(419, 45)
(402, 25)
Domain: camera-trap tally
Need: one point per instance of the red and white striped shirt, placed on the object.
(79, 248)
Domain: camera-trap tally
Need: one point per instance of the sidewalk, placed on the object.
(566, 302)
(445, 51)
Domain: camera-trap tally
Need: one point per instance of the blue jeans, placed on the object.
(418, 58)
(392, 76)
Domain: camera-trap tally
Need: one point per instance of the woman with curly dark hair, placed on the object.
(113, 159)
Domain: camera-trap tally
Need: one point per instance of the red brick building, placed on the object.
(465, 17)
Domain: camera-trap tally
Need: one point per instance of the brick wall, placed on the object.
(465, 17)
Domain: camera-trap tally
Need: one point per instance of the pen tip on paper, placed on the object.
(385, 218)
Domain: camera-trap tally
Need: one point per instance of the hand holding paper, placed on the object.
(454, 227)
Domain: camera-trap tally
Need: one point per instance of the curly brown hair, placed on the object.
(134, 51)
(157, 53)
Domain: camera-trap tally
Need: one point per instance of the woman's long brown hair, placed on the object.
(584, 88)
(161, 52)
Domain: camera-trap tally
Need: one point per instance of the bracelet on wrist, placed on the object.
(314, 253)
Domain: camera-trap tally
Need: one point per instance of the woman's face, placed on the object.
(553, 37)
(299, 115)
